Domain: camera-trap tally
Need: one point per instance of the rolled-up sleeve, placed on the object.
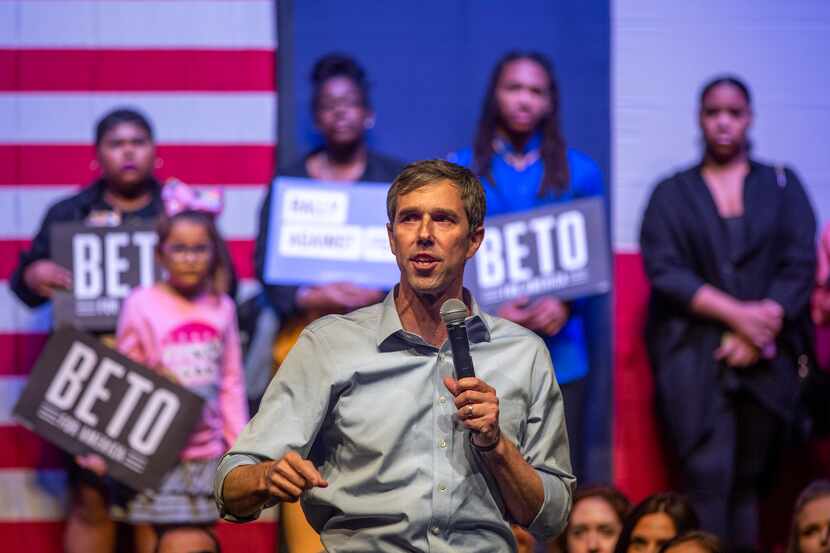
(290, 414)
(228, 463)
(545, 448)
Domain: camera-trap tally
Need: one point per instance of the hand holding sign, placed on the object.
(545, 315)
(338, 297)
(44, 276)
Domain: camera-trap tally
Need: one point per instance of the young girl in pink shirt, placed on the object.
(185, 328)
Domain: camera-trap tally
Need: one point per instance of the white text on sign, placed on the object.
(561, 244)
(99, 265)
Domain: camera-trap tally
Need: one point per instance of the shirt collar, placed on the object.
(502, 146)
(392, 336)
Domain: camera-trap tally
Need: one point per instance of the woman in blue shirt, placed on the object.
(521, 157)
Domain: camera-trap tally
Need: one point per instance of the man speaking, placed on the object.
(366, 423)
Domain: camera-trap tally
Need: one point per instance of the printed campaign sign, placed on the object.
(106, 263)
(322, 232)
(87, 398)
(561, 250)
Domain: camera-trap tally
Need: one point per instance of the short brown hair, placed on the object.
(422, 173)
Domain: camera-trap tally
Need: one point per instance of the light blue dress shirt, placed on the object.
(364, 400)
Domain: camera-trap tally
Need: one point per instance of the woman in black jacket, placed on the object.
(728, 247)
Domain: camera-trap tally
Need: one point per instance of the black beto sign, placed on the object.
(87, 398)
(560, 250)
(106, 264)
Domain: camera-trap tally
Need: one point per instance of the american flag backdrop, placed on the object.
(204, 72)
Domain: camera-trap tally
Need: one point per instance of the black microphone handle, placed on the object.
(460, 345)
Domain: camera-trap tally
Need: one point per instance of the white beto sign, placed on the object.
(323, 232)
(87, 398)
(560, 250)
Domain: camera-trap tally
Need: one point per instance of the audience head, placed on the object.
(725, 117)
(656, 520)
(596, 520)
(186, 539)
(125, 151)
(810, 530)
(191, 250)
(422, 173)
(522, 99)
(340, 100)
(695, 541)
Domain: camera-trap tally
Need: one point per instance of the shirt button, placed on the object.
(435, 530)
(442, 400)
(442, 488)
(442, 444)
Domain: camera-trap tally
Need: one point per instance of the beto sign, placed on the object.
(322, 232)
(87, 398)
(106, 263)
(560, 250)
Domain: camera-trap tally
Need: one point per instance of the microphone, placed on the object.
(453, 313)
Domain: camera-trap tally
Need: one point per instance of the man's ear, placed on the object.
(476, 237)
(390, 235)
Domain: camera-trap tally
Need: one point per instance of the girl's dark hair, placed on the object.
(615, 499)
(815, 490)
(553, 150)
(219, 273)
(117, 117)
(707, 541)
(675, 506)
(726, 79)
(338, 65)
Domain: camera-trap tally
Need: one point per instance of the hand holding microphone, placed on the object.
(476, 401)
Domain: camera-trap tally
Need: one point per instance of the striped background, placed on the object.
(204, 71)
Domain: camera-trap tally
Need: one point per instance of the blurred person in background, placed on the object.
(596, 521)
(729, 249)
(693, 542)
(810, 529)
(126, 191)
(523, 161)
(654, 521)
(343, 115)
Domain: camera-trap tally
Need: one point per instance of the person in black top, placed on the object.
(126, 191)
(729, 248)
(343, 114)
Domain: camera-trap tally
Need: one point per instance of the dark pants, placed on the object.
(573, 394)
(728, 472)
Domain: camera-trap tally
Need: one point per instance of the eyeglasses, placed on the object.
(180, 252)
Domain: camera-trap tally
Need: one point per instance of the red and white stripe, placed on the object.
(204, 72)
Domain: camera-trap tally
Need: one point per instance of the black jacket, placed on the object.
(379, 168)
(75, 209)
(72, 209)
(684, 245)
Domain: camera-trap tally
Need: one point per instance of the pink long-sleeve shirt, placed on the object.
(196, 343)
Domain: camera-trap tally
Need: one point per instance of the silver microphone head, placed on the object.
(453, 312)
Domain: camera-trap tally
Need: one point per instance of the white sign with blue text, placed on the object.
(321, 232)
